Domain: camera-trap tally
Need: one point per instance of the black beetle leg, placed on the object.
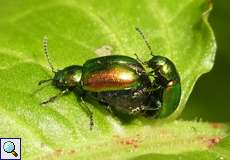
(51, 99)
(108, 108)
(89, 113)
(148, 108)
(158, 108)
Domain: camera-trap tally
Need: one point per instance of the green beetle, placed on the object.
(121, 82)
(168, 82)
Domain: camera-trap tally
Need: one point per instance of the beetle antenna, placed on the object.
(145, 40)
(45, 47)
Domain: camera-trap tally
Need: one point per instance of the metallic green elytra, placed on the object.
(168, 79)
(125, 84)
(111, 73)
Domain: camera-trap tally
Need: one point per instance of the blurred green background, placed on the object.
(210, 99)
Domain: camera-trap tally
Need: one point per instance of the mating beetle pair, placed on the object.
(122, 82)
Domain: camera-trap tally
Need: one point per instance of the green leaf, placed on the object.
(79, 30)
(198, 105)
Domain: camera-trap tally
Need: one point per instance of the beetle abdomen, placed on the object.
(111, 79)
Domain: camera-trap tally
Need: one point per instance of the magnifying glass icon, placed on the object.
(9, 147)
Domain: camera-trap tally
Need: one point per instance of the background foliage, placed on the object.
(209, 100)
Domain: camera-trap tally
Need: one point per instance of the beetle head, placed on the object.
(68, 77)
(163, 66)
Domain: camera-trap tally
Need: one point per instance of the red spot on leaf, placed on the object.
(72, 151)
(58, 153)
(132, 142)
(211, 142)
(217, 125)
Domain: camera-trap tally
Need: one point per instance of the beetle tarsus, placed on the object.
(91, 124)
(52, 99)
(89, 113)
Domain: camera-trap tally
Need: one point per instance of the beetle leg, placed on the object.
(89, 113)
(148, 108)
(108, 108)
(143, 108)
(158, 103)
(153, 89)
(139, 92)
(136, 110)
(51, 99)
(145, 90)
